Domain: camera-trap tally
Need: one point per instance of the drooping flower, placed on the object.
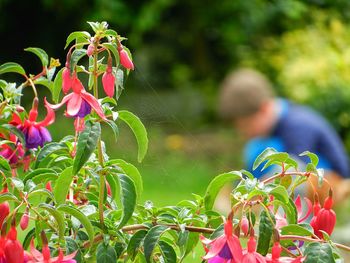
(12, 154)
(4, 212)
(301, 217)
(325, 218)
(79, 102)
(35, 132)
(13, 249)
(225, 248)
(124, 58)
(108, 79)
(275, 256)
(45, 256)
(251, 256)
(281, 220)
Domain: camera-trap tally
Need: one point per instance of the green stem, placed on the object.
(99, 151)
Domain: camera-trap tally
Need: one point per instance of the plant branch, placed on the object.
(309, 239)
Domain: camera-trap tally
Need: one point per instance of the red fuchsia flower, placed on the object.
(251, 256)
(281, 220)
(275, 256)
(325, 218)
(79, 102)
(225, 248)
(13, 249)
(299, 207)
(4, 211)
(45, 256)
(10, 153)
(124, 58)
(35, 132)
(108, 79)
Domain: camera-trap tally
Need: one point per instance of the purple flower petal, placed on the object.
(216, 259)
(225, 252)
(45, 135)
(33, 137)
(84, 110)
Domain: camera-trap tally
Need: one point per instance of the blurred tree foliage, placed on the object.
(191, 44)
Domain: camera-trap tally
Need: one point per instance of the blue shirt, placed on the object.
(300, 129)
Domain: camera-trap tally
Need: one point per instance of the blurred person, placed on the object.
(247, 101)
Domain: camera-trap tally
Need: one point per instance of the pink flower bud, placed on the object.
(125, 59)
(67, 80)
(90, 50)
(24, 220)
(108, 81)
(245, 225)
(48, 186)
(109, 191)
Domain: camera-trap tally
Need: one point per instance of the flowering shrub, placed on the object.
(74, 203)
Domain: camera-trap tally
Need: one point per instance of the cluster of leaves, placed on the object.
(88, 202)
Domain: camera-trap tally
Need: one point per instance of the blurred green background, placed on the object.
(182, 50)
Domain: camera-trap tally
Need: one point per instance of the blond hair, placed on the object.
(242, 93)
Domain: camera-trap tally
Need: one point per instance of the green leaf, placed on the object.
(71, 247)
(290, 210)
(256, 192)
(44, 82)
(57, 86)
(131, 171)
(128, 198)
(12, 67)
(77, 54)
(216, 184)
(43, 172)
(46, 172)
(295, 229)
(58, 217)
(15, 131)
(17, 183)
(8, 197)
(114, 128)
(313, 157)
(30, 235)
(135, 243)
(263, 156)
(87, 143)
(62, 185)
(139, 131)
(75, 35)
(105, 254)
(151, 240)
(84, 220)
(113, 48)
(280, 193)
(319, 252)
(49, 149)
(111, 32)
(168, 252)
(40, 53)
(41, 193)
(4, 165)
(265, 233)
